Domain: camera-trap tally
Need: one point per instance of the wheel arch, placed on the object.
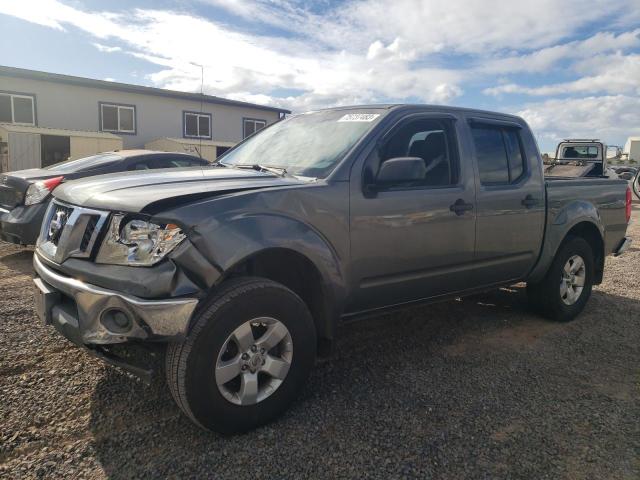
(301, 275)
(557, 234)
(591, 233)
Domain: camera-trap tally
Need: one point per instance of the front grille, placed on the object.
(69, 231)
(88, 232)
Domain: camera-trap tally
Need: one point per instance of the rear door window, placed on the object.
(499, 154)
(492, 156)
(514, 154)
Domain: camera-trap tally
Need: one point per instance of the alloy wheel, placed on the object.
(572, 281)
(254, 361)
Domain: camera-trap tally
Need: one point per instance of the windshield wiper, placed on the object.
(280, 171)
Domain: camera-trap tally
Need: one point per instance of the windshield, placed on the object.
(309, 145)
(85, 163)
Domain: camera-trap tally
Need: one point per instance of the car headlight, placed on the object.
(137, 242)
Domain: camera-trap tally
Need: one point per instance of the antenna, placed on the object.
(201, 106)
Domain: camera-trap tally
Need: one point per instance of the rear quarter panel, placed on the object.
(570, 202)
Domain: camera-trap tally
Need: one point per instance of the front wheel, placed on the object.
(564, 291)
(247, 356)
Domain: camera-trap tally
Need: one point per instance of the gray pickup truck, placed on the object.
(240, 273)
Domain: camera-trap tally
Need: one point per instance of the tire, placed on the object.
(636, 185)
(191, 365)
(548, 296)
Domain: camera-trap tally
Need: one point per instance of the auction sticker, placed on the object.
(359, 117)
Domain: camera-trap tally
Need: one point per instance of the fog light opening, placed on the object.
(116, 321)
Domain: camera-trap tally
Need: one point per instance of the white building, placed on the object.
(632, 148)
(138, 115)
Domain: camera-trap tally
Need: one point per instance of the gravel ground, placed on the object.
(477, 388)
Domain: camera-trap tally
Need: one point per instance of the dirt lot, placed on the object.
(478, 388)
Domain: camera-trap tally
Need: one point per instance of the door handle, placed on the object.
(529, 201)
(460, 207)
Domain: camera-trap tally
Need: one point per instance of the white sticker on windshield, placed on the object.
(359, 117)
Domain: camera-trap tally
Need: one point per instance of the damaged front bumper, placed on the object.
(90, 315)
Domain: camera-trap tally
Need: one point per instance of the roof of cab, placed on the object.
(428, 107)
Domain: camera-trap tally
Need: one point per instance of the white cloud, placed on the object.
(237, 63)
(445, 92)
(106, 48)
(607, 117)
(396, 50)
(613, 74)
(366, 51)
(465, 26)
(40, 16)
(549, 57)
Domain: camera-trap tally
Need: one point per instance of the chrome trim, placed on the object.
(163, 318)
(70, 241)
(4, 210)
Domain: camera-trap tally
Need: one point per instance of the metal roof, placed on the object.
(10, 127)
(126, 87)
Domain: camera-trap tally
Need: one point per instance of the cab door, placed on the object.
(413, 241)
(510, 200)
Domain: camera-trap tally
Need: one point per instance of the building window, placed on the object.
(252, 125)
(197, 125)
(117, 118)
(17, 108)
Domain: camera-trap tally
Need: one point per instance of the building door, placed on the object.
(24, 151)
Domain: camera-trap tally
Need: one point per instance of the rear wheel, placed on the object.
(247, 356)
(564, 291)
(636, 185)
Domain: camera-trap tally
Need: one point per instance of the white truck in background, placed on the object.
(579, 157)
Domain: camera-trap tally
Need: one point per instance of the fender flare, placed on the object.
(557, 229)
(236, 240)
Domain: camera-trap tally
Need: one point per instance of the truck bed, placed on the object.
(600, 198)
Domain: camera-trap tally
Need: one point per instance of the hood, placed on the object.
(138, 191)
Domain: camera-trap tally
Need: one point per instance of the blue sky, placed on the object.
(570, 67)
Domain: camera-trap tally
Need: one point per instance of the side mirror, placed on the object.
(401, 170)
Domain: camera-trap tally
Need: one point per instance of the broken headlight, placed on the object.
(137, 242)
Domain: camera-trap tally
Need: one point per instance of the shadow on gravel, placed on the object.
(458, 389)
(19, 262)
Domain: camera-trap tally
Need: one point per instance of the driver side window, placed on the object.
(432, 141)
